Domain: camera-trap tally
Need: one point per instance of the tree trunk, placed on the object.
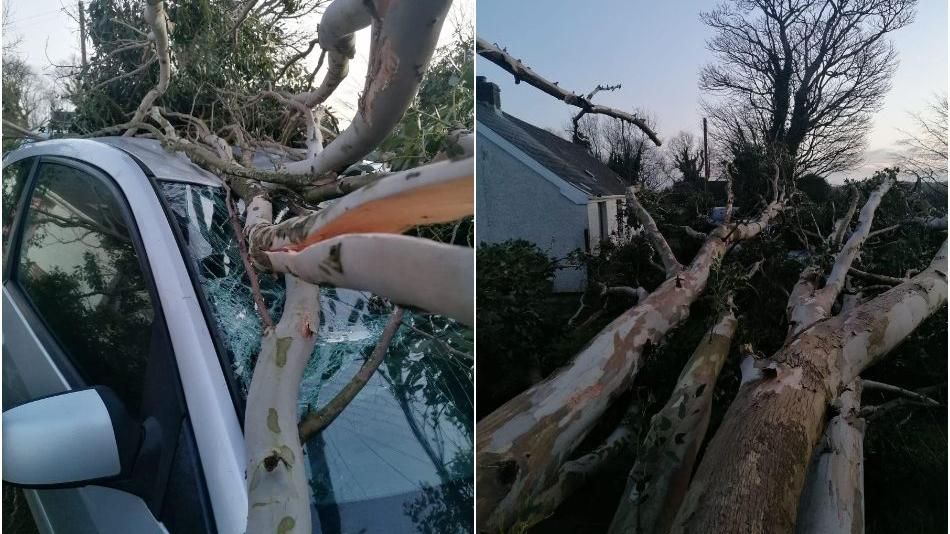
(833, 500)
(277, 488)
(660, 477)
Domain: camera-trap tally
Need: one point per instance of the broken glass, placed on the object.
(399, 457)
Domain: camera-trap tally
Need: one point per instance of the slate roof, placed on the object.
(569, 161)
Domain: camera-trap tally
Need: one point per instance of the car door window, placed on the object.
(79, 267)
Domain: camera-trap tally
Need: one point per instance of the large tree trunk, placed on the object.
(753, 471)
(521, 446)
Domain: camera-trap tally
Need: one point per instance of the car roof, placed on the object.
(163, 164)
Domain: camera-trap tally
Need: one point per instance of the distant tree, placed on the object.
(925, 149)
(801, 78)
(687, 157)
(627, 150)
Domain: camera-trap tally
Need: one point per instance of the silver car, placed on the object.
(129, 334)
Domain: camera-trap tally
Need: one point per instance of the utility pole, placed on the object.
(82, 36)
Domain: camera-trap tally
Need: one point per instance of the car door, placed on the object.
(80, 309)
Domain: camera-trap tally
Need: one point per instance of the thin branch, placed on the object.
(880, 386)
(892, 280)
(314, 422)
(670, 264)
(266, 319)
(156, 18)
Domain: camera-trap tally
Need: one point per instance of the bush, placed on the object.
(514, 282)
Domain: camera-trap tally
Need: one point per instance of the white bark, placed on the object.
(521, 445)
(155, 17)
(658, 480)
(406, 270)
(404, 37)
(877, 326)
(277, 487)
(340, 21)
(754, 468)
(833, 499)
(670, 264)
(808, 304)
(934, 223)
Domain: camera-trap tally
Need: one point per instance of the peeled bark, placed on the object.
(660, 477)
(436, 193)
(575, 474)
(833, 499)
(277, 487)
(522, 444)
(753, 471)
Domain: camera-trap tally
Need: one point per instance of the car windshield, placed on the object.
(399, 457)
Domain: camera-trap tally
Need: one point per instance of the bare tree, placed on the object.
(802, 78)
(626, 150)
(925, 149)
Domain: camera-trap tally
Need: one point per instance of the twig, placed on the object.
(874, 277)
(880, 386)
(248, 266)
(315, 422)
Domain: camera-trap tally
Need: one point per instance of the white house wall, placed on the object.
(515, 201)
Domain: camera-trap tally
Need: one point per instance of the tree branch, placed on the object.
(500, 57)
(314, 423)
(670, 263)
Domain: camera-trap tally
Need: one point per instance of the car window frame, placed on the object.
(62, 357)
(21, 203)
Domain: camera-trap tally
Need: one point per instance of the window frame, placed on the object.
(75, 375)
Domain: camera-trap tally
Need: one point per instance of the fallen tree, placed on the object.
(354, 243)
(522, 445)
(753, 471)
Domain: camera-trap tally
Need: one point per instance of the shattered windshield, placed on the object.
(399, 457)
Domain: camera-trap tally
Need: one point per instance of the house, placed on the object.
(537, 186)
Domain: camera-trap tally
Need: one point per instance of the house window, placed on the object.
(602, 216)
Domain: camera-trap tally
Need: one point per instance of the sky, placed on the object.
(656, 51)
(49, 35)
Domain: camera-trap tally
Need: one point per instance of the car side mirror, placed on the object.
(69, 439)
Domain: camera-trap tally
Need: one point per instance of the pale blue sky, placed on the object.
(656, 50)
